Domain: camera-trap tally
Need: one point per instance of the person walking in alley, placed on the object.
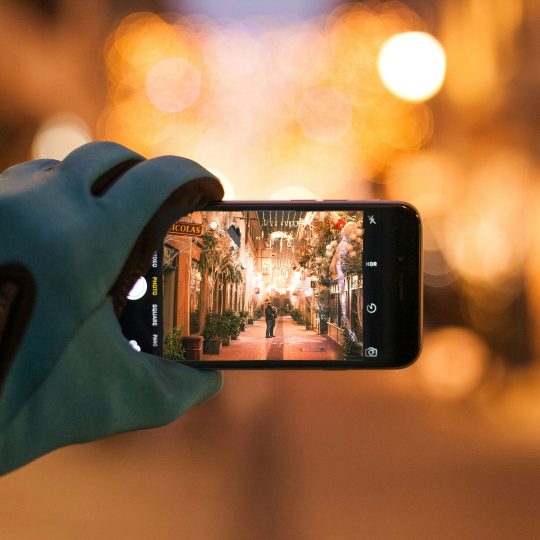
(270, 319)
(275, 312)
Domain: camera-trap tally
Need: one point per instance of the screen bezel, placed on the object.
(400, 326)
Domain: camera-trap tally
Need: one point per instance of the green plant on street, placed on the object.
(223, 327)
(211, 327)
(257, 312)
(173, 349)
(350, 348)
(233, 320)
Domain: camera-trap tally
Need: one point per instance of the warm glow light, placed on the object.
(228, 186)
(430, 180)
(482, 249)
(453, 362)
(412, 65)
(293, 192)
(304, 58)
(233, 52)
(213, 225)
(173, 84)
(324, 114)
(59, 135)
(306, 100)
(489, 241)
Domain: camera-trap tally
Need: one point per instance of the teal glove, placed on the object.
(74, 237)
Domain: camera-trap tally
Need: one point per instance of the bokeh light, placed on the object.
(173, 84)
(430, 180)
(304, 58)
(302, 97)
(293, 192)
(453, 362)
(59, 135)
(488, 231)
(324, 114)
(232, 53)
(412, 65)
(228, 186)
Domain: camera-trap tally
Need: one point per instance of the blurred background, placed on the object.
(433, 102)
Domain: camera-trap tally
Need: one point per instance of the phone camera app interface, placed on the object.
(141, 319)
(266, 285)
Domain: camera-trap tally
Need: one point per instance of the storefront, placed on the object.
(211, 265)
(181, 276)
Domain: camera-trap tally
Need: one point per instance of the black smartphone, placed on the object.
(299, 284)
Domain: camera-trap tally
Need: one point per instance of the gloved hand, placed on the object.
(74, 237)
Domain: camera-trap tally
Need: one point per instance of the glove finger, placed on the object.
(119, 390)
(142, 190)
(94, 166)
(25, 175)
(143, 204)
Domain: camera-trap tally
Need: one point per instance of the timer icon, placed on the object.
(371, 308)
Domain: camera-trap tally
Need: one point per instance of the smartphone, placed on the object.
(298, 284)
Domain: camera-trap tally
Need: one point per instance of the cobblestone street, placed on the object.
(291, 341)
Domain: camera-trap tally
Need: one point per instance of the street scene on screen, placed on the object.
(264, 285)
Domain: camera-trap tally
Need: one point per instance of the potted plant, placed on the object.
(257, 313)
(173, 348)
(233, 320)
(243, 320)
(297, 316)
(223, 329)
(352, 350)
(212, 340)
(250, 319)
(307, 321)
(323, 323)
(323, 303)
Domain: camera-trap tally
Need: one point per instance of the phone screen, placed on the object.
(283, 285)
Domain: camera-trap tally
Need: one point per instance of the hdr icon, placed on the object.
(371, 263)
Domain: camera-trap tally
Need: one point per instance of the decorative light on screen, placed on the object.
(412, 65)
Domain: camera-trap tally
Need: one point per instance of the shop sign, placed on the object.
(185, 228)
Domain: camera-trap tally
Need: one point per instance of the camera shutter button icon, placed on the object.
(138, 290)
(372, 352)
